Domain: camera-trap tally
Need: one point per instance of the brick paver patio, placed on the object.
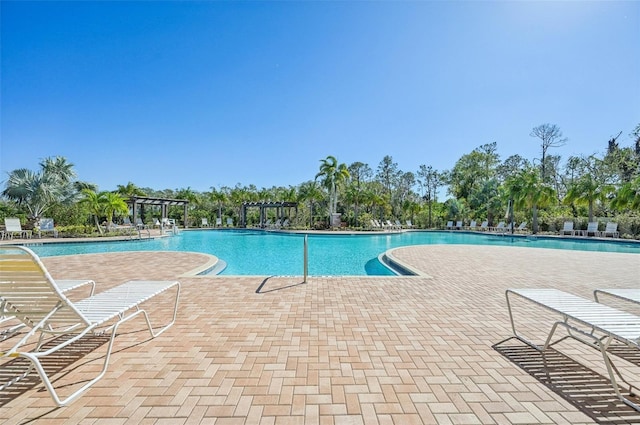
(340, 350)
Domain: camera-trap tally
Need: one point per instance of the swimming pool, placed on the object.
(255, 252)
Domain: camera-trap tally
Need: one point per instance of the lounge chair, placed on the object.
(449, 225)
(500, 228)
(218, 222)
(140, 224)
(484, 226)
(205, 223)
(610, 230)
(46, 225)
(398, 224)
(567, 229)
(409, 224)
(628, 294)
(65, 285)
(459, 225)
(229, 222)
(522, 227)
(472, 226)
(34, 298)
(592, 323)
(13, 228)
(592, 229)
(390, 225)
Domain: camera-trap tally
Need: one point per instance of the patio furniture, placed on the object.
(587, 321)
(205, 223)
(33, 297)
(46, 225)
(628, 294)
(500, 228)
(567, 229)
(522, 227)
(65, 285)
(610, 230)
(12, 227)
(592, 229)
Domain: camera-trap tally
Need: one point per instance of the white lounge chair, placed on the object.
(592, 229)
(449, 225)
(229, 222)
(610, 230)
(627, 294)
(65, 285)
(34, 298)
(522, 227)
(499, 228)
(218, 222)
(590, 322)
(484, 226)
(567, 229)
(46, 225)
(205, 223)
(459, 225)
(13, 228)
(472, 225)
(409, 224)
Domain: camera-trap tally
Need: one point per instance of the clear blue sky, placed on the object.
(171, 95)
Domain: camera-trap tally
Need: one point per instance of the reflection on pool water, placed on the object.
(255, 252)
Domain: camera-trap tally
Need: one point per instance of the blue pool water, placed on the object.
(255, 252)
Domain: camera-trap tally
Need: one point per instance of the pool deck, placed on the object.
(340, 350)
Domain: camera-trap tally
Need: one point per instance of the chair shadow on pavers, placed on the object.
(590, 392)
(13, 370)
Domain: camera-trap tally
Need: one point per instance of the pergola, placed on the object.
(280, 206)
(163, 203)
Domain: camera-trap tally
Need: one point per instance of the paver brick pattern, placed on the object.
(334, 350)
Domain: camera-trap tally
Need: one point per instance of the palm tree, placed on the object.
(309, 191)
(35, 191)
(333, 174)
(130, 189)
(220, 198)
(94, 204)
(113, 204)
(529, 191)
(58, 168)
(628, 196)
(586, 190)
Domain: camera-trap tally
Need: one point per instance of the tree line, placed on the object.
(481, 186)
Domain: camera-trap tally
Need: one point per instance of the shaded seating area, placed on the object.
(264, 206)
(138, 203)
(33, 297)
